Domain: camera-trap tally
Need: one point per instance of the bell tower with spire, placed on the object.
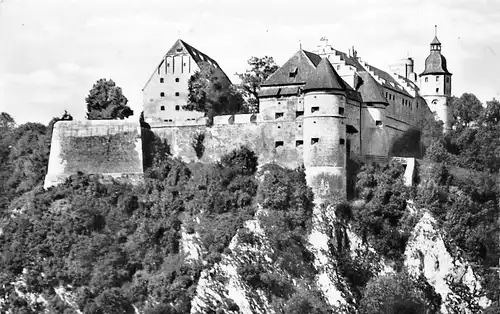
(435, 83)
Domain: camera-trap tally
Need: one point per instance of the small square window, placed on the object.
(314, 140)
(162, 80)
(338, 67)
(184, 63)
(177, 107)
(342, 141)
(426, 79)
(378, 123)
(299, 143)
(179, 49)
(314, 109)
(162, 94)
(176, 93)
(299, 113)
(278, 144)
(278, 115)
(341, 110)
(437, 78)
(437, 90)
(177, 79)
(162, 108)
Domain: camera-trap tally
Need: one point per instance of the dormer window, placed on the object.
(293, 72)
(314, 140)
(314, 109)
(299, 113)
(299, 143)
(278, 144)
(278, 115)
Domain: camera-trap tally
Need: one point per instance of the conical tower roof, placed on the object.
(370, 90)
(435, 41)
(325, 78)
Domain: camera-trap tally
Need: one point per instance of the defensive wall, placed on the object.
(112, 148)
(277, 142)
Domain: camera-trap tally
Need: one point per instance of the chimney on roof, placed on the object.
(354, 52)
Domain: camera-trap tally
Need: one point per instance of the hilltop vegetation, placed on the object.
(117, 246)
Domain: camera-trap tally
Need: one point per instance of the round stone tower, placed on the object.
(435, 84)
(325, 132)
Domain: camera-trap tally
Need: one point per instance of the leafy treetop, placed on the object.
(210, 91)
(106, 101)
(260, 69)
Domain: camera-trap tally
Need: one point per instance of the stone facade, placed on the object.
(112, 148)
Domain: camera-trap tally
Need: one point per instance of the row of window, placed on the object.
(162, 94)
(437, 79)
(278, 115)
(162, 108)
(298, 143)
(162, 80)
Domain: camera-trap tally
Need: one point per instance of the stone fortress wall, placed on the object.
(112, 148)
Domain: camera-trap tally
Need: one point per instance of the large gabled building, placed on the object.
(166, 92)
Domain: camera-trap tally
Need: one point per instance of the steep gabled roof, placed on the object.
(370, 90)
(325, 78)
(388, 80)
(180, 47)
(297, 70)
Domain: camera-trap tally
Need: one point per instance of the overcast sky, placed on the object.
(53, 51)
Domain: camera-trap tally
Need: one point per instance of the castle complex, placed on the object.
(318, 110)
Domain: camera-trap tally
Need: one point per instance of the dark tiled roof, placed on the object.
(297, 70)
(412, 84)
(435, 63)
(315, 59)
(279, 91)
(388, 80)
(180, 47)
(370, 90)
(352, 61)
(325, 78)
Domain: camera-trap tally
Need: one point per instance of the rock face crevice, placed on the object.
(451, 276)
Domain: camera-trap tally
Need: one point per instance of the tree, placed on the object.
(398, 293)
(106, 101)
(491, 114)
(251, 80)
(466, 109)
(210, 91)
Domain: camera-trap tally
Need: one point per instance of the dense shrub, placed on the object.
(398, 293)
(383, 220)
